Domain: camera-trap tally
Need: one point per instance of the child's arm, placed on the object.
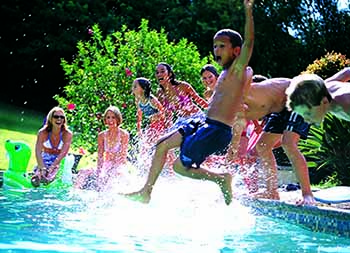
(155, 102)
(124, 147)
(342, 76)
(194, 95)
(38, 148)
(100, 150)
(139, 121)
(247, 47)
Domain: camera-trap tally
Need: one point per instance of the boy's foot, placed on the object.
(139, 196)
(226, 188)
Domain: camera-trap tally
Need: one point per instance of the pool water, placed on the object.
(184, 216)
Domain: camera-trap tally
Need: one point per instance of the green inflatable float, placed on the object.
(16, 176)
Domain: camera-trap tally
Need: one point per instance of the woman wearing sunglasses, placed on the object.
(52, 145)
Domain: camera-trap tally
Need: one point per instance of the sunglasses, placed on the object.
(58, 117)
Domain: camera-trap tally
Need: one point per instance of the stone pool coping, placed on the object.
(318, 218)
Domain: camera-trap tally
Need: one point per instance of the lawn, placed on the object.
(18, 124)
(22, 124)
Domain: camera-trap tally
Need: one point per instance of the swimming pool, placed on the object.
(184, 216)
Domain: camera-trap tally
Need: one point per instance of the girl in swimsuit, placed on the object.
(150, 120)
(112, 152)
(150, 112)
(52, 145)
(209, 76)
(178, 97)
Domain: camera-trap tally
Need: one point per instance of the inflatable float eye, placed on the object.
(17, 147)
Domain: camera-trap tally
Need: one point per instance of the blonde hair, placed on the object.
(116, 112)
(48, 121)
(306, 90)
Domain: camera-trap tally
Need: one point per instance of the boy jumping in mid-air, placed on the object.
(198, 140)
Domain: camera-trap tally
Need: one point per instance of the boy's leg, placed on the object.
(223, 180)
(166, 143)
(264, 149)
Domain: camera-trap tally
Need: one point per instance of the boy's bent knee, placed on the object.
(179, 167)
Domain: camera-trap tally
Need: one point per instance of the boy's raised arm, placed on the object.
(247, 47)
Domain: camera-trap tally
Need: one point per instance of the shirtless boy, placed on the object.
(268, 99)
(313, 98)
(198, 140)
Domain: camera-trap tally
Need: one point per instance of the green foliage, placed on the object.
(327, 151)
(103, 71)
(327, 148)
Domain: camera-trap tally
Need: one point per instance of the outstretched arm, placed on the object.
(194, 95)
(342, 76)
(247, 47)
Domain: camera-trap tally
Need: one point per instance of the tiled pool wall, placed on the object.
(318, 219)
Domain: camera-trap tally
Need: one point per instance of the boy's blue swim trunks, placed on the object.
(201, 139)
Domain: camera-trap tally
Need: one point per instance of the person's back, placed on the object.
(266, 97)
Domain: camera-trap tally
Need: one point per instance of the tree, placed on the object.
(104, 68)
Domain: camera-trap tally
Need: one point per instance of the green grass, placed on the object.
(20, 124)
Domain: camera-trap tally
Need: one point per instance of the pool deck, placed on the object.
(334, 218)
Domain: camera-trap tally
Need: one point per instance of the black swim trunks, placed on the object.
(201, 139)
(286, 120)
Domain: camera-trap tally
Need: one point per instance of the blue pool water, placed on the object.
(184, 216)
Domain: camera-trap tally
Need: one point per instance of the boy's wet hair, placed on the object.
(145, 84)
(210, 68)
(306, 90)
(235, 38)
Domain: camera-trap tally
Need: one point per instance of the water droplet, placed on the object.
(24, 35)
(42, 66)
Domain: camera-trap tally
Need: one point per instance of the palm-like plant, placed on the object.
(327, 150)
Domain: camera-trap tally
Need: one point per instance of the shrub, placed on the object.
(328, 65)
(327, 148)
(102, 72)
